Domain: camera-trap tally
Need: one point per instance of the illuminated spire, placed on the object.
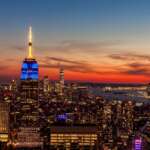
(30, 43)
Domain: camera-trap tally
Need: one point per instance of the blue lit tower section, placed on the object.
(29, 69)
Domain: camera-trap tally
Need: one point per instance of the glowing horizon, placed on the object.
(98, 41)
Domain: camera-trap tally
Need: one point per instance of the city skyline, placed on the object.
(74, 75)
(97, 41)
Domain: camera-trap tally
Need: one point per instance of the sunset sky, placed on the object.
(94, 40)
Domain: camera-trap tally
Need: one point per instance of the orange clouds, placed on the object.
(85, 61)
(132, 69)
(94, 77)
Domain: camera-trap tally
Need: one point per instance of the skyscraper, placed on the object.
(4, 121)
(29, 73)
(29, 88)
(46, 84)
(61, 80)
(28, 134)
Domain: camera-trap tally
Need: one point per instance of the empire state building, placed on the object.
(29, 88)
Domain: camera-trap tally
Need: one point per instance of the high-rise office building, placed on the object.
(13, 86)
(46, 84)
(61, 79)
(29, 88)
(4, 121)
(62, 76)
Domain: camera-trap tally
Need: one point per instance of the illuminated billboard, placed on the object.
(138, 144)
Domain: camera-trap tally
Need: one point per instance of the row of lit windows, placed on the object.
(3, 128)
(29, 65)
(3, 137)
(73, 140)
(73, 135)
(81, 139)
(79, 143)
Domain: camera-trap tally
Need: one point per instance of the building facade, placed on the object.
(73, 137)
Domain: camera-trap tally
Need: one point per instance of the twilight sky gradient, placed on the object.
(95, 40)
